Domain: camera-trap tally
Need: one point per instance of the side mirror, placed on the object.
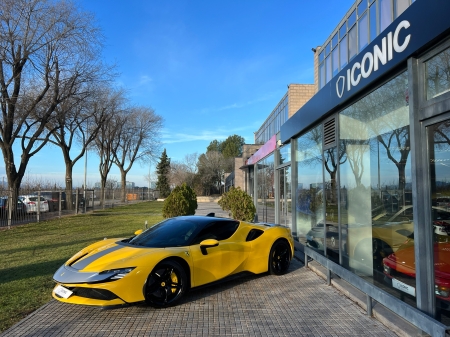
(209, 243)
(139, 231)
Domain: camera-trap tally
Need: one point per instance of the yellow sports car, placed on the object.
(159, 265)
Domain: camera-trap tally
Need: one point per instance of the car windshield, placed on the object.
(169, 233)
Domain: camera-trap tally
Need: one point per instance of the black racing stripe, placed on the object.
(85, 262)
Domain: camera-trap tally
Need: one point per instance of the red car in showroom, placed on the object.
(400, 272)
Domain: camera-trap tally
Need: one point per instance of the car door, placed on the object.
(217, 262)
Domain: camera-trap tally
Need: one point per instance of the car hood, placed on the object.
(89, 265)
(112, 255)
(404, 258)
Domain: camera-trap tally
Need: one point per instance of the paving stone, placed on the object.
(298, 303)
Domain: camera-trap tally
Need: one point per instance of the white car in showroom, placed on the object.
(31, 203)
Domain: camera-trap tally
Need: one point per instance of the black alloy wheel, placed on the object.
(279, 258)
(166, 284)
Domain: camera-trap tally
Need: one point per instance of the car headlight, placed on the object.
(441, 291)
(117, 274)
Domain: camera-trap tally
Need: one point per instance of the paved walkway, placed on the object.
(296, 304)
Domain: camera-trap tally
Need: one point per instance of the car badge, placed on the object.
(187, 253)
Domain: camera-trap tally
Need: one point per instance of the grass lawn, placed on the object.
(30, 254)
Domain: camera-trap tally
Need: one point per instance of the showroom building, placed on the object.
(361, 172)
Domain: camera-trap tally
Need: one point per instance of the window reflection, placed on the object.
(343, 52)
(439, 152)
(309, 187)
(438, 74)
(331, 162)
(375, 178)
(352, 43)
(385, 13)
(266, 189)
(363, 32)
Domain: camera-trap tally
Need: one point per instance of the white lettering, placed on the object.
(371, 60)
(349, 85)
(379, 55)
(354, 81)
(390, 51)
(366, 73)
(404, 24)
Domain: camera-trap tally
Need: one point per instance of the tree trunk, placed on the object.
(69, 187)
(102, 190)
(13, 176)
(123, 176)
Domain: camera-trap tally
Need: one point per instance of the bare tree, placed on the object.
(106, 145)
(184, 171)
(45, 47)
(138, 139)
(77, 122)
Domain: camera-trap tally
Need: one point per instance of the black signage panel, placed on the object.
(422, 22)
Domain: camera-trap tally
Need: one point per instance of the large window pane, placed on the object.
(266, 189)
(328, 68)
(373, 22)
(437, 73)
(343, 31)
(309, 190)
(352, 43)
(375, 180)
(285, 154)
(331, 163)
(400, 6)
(362, 7)
(343, 52)
(439, 152)
(322, 75)
(385, 12)
(363, 32)
(335, 56)
(351, 19)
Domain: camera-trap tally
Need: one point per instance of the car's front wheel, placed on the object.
(279, 258)
(166, 284)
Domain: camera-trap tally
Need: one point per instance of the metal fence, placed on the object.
(35, 205)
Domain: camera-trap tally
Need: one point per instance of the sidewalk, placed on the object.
(296, 304)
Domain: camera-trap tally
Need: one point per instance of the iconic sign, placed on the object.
(372, 59)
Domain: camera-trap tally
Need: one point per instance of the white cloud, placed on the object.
(144, 79)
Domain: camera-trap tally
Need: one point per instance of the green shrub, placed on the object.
(239, 203)
(181, 201)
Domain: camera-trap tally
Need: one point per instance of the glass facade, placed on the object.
(439, 159)
(357, 196)
(273, 123)
(265, 174)
(365, 21)
(376, 212)
(437, 74)
(309, 189)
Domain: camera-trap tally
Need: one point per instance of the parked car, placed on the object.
(160, 264)
(20, 209)
(399, 267)
(52, 198)
(31, 203)
(314, 238)
(400, 271)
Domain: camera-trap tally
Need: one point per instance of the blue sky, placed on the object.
(211, 69)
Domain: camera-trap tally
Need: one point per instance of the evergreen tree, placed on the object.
(163, 170)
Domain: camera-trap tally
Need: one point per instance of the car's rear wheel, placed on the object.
(166, 284)
(279, 258)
